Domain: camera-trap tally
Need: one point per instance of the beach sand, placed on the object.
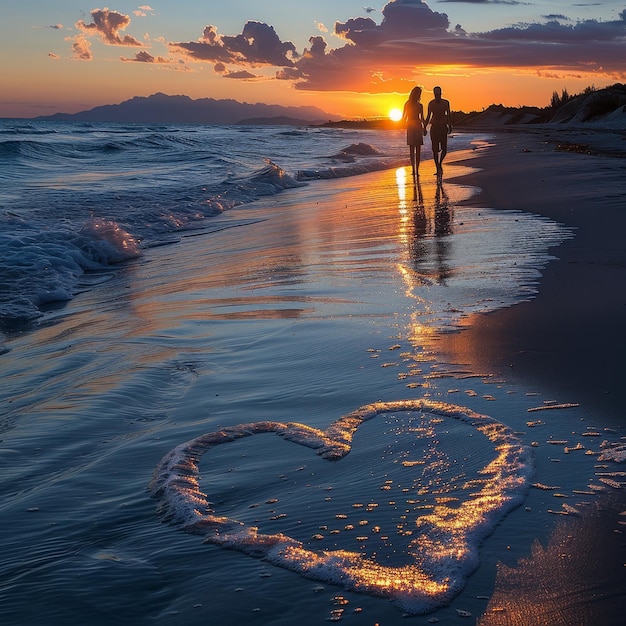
(570, 338)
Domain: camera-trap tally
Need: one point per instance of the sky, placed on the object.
(351, 59)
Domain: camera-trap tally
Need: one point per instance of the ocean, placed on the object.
(169, 289)
(78, 198)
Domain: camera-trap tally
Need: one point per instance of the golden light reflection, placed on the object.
(401, 183)
(425, 219)
(403, 229)
(445, 539)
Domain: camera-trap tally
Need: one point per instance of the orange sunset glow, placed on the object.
(351, 64)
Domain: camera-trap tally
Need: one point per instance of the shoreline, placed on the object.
(565, 338)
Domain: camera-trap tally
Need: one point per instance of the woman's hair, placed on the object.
(416, 94)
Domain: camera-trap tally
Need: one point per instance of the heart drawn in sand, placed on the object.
(442, 555)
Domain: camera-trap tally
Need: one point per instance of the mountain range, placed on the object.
(605, 107)
(160, 108)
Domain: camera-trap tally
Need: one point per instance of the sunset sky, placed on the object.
(352, 59)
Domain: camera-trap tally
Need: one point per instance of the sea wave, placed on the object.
(344, 171)
(77, 198)
(40, 264)
(38, 268)
(352, 160)
(92, 147)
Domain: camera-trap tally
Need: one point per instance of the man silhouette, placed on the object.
(440, 128)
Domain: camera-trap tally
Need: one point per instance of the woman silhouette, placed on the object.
(413, 117)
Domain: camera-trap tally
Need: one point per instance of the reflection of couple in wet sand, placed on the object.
(428, 244)
(439, 212)
(438, 116)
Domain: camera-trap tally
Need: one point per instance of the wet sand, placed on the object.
(571, 336)
(569, 340)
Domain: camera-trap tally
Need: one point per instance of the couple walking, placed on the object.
(440, 127)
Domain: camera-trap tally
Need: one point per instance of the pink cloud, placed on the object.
(108, 24)
(81, 49)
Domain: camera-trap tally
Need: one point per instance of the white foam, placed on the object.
(42, 267)
(440, 558)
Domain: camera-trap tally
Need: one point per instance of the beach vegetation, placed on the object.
(556, 102)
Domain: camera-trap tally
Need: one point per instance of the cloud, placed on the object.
(556, 16)
(586, 32)
(258, 44)
(401, 19)
(108, 24)
(145, 57)
(81, 49)
(412, 39)
(377, 58)
(143, 11)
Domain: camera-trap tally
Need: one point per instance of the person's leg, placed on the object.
(444, 151)
(412, 152)
(435, 144)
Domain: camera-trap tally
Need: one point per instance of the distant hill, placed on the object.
(605, 107)
(160, 108)
(600, 107)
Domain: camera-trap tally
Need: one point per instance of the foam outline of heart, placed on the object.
(443, 554)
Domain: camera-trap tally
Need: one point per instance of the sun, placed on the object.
(395, 115)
